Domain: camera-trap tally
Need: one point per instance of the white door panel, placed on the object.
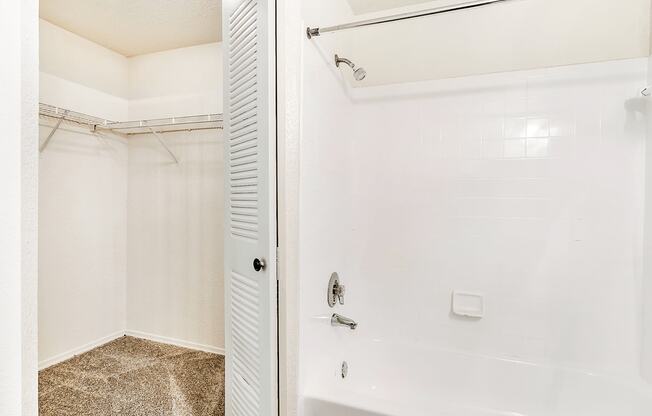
(250, 129)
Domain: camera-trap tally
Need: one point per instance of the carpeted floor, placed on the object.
(134, 377)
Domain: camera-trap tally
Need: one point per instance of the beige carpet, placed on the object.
(134, 377)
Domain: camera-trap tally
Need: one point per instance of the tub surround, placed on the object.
(525, 187)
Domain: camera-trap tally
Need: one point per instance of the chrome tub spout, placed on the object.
(339, 320)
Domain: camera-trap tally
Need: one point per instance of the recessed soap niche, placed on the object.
(468, 305)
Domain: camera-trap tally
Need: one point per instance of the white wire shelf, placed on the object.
(161, 125)
(129, 128)
(50, 111)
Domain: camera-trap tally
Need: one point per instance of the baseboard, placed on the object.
(174, 341)
(138, 334)
(79, 350)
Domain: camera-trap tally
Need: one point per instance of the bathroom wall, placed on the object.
(646, 289)
(526, 187)
(509, 36)
(82, 199)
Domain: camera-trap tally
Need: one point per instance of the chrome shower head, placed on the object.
(359, 74)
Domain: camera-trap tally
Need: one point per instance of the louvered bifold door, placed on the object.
(250, 228)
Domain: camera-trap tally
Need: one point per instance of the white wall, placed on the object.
(83, 199)
(83, 241)
(64, 93)
(77, 59)
(18, 183)
(368, 6)
(80, 75)
(178, 82)
(175, 284)
(509, 36)
(527, 187)
(646, 288)
(289, 70)
(84, 191)
(535, 271)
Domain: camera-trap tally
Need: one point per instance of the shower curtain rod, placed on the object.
(317, 31)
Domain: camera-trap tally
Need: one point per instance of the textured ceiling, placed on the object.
(136, 27)
(368, 6)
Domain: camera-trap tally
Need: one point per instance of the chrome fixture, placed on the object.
(359, 74)
(317, 31)
(339, 320)
(345, 369)
(259, 264)
(335, 291)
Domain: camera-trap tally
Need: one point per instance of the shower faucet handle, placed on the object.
(335, 291)
(339, 291)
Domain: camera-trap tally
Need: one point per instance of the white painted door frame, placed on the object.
(18, 207)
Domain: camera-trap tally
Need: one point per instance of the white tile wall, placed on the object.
(527, 187)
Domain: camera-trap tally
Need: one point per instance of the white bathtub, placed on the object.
(411, 382)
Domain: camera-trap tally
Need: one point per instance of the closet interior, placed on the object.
(131, 201)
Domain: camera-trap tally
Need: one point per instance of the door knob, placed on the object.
(259, 264)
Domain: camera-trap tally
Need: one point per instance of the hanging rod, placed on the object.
(317, 31)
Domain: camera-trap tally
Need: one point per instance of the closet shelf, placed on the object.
(129, 128)
(161, 125)
(50, 111)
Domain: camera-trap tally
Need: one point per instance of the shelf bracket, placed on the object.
(165, 146)
(54, 130)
